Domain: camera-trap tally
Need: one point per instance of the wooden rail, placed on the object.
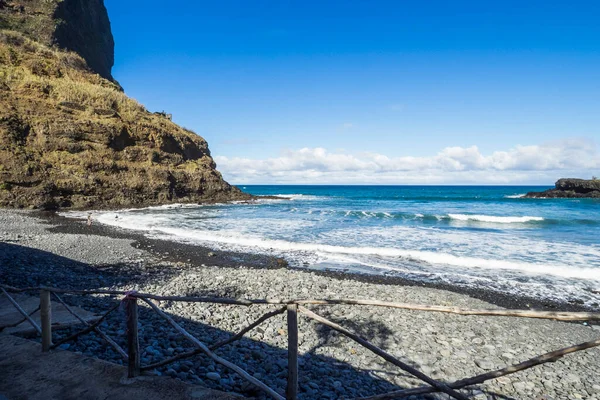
(554, 315)
(293, 308)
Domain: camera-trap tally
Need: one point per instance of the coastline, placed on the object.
(199, 255)
(46, 249)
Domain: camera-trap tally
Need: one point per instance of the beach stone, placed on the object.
(478, 395)
(477, 340)
(213, 376)
(485, 364)
(548, 384)
(182, 375)
(325, 358)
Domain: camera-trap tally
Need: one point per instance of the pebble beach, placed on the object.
(47, 250)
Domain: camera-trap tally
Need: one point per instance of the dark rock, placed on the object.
(72, 105)
(164, 115)
(85, 29)
(213, 376)
(570, 188)
(578, 185)
(105, 112)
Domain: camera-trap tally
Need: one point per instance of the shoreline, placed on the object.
(198, 255)
(49, 250)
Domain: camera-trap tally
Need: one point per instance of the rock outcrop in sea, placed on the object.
(69, 136)
(570, 188)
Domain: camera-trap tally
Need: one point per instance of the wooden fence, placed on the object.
(292, 308)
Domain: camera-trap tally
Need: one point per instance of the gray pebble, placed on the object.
(213, 376)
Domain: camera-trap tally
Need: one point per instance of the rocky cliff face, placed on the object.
(81, 26)
(570, 188)
(69, 136)
(84, 28)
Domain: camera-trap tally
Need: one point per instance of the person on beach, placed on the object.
(89, 219)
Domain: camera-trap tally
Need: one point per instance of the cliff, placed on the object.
(69, 136)
(81, 26)
(570, 188)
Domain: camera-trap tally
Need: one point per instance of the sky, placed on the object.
(373, 92)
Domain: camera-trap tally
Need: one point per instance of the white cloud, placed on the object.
(522, 164)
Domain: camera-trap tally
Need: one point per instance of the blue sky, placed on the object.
(373, 91)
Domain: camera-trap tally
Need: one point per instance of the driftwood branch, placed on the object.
(87, 329)
(217, 345)
(20, 310)
(117, 348)
(212, 355)
(532, 362)
(438, 386)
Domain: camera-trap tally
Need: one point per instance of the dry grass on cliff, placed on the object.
(37, 21)
(60, 76)
(30, 70)
(70, 138)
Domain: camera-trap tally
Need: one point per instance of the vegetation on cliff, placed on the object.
(81, 26)
(71, 138)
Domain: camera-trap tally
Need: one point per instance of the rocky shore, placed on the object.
(46, 251)
(570, 188)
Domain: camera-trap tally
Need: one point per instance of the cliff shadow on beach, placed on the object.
(321, 375)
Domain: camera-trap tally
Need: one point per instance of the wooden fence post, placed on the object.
(46, 320)
(133, 344)
(292, 324)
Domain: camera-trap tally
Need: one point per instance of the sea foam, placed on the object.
(157, 227)
(494, 219)
(491, 242)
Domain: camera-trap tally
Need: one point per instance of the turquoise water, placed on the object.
(474, 236)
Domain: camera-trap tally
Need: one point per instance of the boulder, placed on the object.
(570, 188)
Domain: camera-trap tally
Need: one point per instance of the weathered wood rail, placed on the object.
(293, 308)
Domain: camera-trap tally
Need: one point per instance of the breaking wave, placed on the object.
(494, 219)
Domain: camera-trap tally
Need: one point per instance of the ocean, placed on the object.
(475, 236)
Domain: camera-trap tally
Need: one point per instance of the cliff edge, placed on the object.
(69, 136)
(81, 26)
(570, 188)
